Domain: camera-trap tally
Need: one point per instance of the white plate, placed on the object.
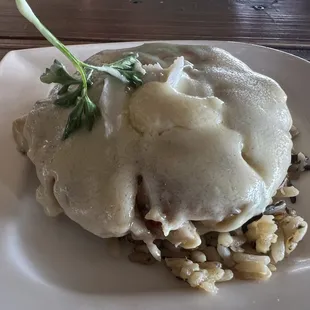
(53, 264)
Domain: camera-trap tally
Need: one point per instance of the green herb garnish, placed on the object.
(73, 92)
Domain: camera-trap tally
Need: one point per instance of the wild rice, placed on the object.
(173, 254)
(142, 248)
(142, 258)
(276, 233)
(169, 246)
(278, 207)
(212, 254)
(211, 238)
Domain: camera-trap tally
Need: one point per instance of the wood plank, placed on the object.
(305, 54)
(7, 45)
(3, 52)
(264, 21)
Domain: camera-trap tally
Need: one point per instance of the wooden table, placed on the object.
(283, 24)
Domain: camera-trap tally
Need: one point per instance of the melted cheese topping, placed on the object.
(209, 137)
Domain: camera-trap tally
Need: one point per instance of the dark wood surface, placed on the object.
(284, 24)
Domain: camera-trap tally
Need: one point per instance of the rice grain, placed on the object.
(253, 270)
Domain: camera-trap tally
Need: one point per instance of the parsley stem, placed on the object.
(27, 12)
(108, 70)
(85, 112)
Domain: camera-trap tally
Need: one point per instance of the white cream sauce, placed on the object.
(209, 137)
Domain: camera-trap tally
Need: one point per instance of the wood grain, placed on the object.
(265, 21)
(8, 45)
(283, 24)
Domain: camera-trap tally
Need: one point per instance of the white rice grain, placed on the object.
(242, 257)
(225, 239)
(188, 269)
(198, 257)
(272, 267)
(210, 265)
(287, 192)
(209, 287)
(262, 232)
(278, 248)
(225, 255)
(294, 229)
(228, 275)
(197, 277)
(253, 271)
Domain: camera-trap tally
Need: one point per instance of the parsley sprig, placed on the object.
(74, 91)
